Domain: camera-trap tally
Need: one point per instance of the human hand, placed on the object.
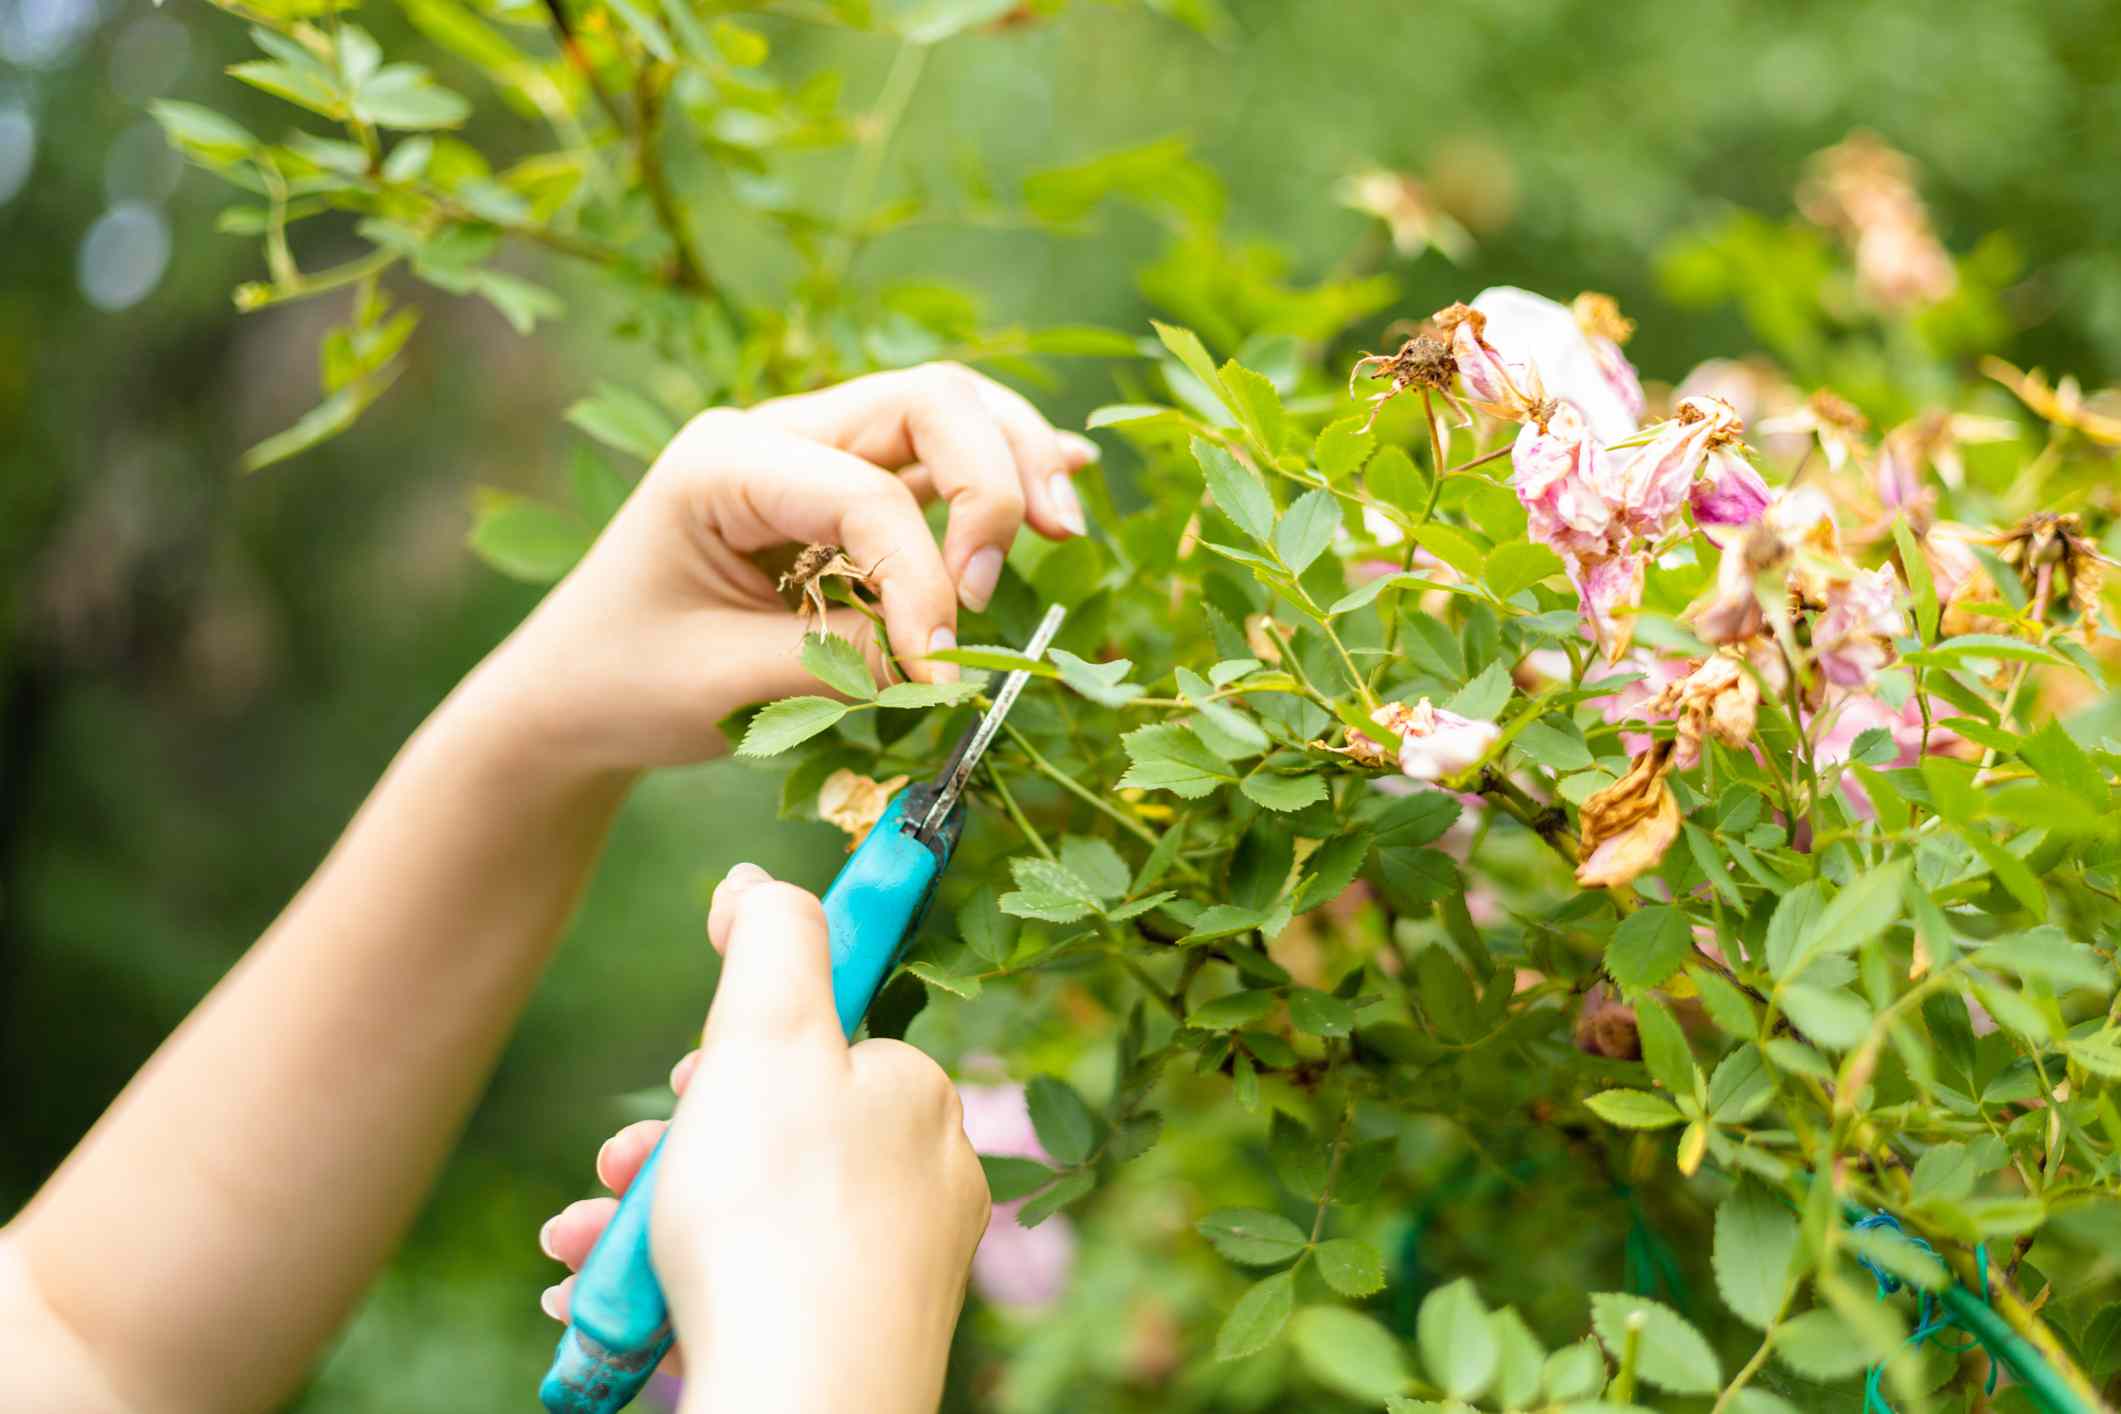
(668, 625)
(819, 1205)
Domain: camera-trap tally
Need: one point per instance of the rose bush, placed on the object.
(1474, 783)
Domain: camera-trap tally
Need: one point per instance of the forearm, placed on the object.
(225, 1215)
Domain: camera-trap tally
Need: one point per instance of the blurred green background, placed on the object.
(201, 674)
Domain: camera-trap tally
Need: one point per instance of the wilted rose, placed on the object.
(1656, 479)
(1561, 474)
(1719, 699)
(1854, 637)
(855, 803)
(1434, 742)
(1629, 825)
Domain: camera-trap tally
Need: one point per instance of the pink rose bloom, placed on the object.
(1854, 636)
(1849, 714)
(1653, 482)
(1017, 1266)
(1533, 330)
(1619, 374)
(1561, 473)
(1434, 742)
(1611, 591)
(1729, 493)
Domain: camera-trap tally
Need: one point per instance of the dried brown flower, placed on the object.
(1422, 362)
(855, 803)
(1629, 825)
(1605, 1026)
(805, 579)
(1599, 316)
(1719, 699)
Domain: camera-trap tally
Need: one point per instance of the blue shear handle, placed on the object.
(619, 1323)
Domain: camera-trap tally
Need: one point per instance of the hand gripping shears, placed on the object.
(619, 1325)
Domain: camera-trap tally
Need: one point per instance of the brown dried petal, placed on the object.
(1628, 826)
(855, 802)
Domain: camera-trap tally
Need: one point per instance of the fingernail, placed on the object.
(982, 572)
(549, 1302)
(602, 1149)
(1080, 447)
(1066, 507)
(745, 875)
(545, 1237)
(941, 641)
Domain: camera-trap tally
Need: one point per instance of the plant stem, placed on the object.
(648, 102)
(879, 127)
(1091, 798)
(1015, 812)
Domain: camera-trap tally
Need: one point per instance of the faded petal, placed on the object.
(1629, 825)
(1611, 591)
(1653, 482)
(1560, 472)
(1434, 742)
(855, 802)
(1730, 492)
(1532, 329)
(1853, 638)
(1506, 387)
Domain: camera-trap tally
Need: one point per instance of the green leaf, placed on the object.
(1072, 1188)
(207, 137)
(1319, 1013)
(1306, 529)
(1257, 1317)
(1391, 477)
(1792, 919)
(1010, 1178)
(1252, 1237)
(1096, 863)
(1922, 589)
(1001, 660)
(1459, 1349)
(620, 418)
(1486, 695)
(521, 303)
(985, 929)
(1237, 491)
(1552, 747)
(1452, 547)
(1418, 818)
(1820, 1346)
(838, 664)
(1102, 683)
(1829, 1017)
(407, 96)
(1330, 869)
(598, 490)
(524, 539)
(1168, 756)
(2011, 872)
(1674, 1355)
(1227, 1013)
(1741, 1087)
(1063, 1122)
(1664, 1047)
(1342, 448)
(1756, 1240)
(1574, 1372)
(1223, 920)
(1517, 1377)
(1518, 565)
(1257, 406)
(1350, 1266)
(1347, 1351)
(1047, 891)
(906, 695)
(933, 21)
(1283, 792)
(1649, 946)
(2047, 953)
(1186, 347)
(2099, 1055)
(780, 725)
(961, 985)
(1633, 1109)
(1859, 913)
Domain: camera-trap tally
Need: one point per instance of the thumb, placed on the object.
(776, 968)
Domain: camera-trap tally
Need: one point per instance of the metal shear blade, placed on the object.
(949, 784)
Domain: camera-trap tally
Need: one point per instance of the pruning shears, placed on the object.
(619, 1325)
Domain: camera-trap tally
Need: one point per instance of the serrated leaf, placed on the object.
(1330, 869)
(838, 664)
(1486, 695)
(1859, 913)
(1756, 1239)
(623, 419)
(1227, 1013)
(1649, 946)
(1168, 756)
(1342, 448)
(1253, 1237)
(1517, 565)
(1674, 1355)
(1319, 1013)
(1283, 793)
(1306, 529)
(1236, 490)
(1574, 1372)
(1349, 1352)
(1417, 818)
(525, 539)
(1664, 1047)
(1741, 1087)
(1633, 1109)
(1350, 1266)
(1047, 891)
(1828, 1016)
(984, 928)
(1820, 1346)
(907, 695)
(1459, 1349)
(2048, 954)
(780, 725)
(1103, 683)
(1392, 478)
(1010, 1178)
(1072, 1188)
(1517, 1375)
(1062, 1121)
(964, 987)
(1257, 1317)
